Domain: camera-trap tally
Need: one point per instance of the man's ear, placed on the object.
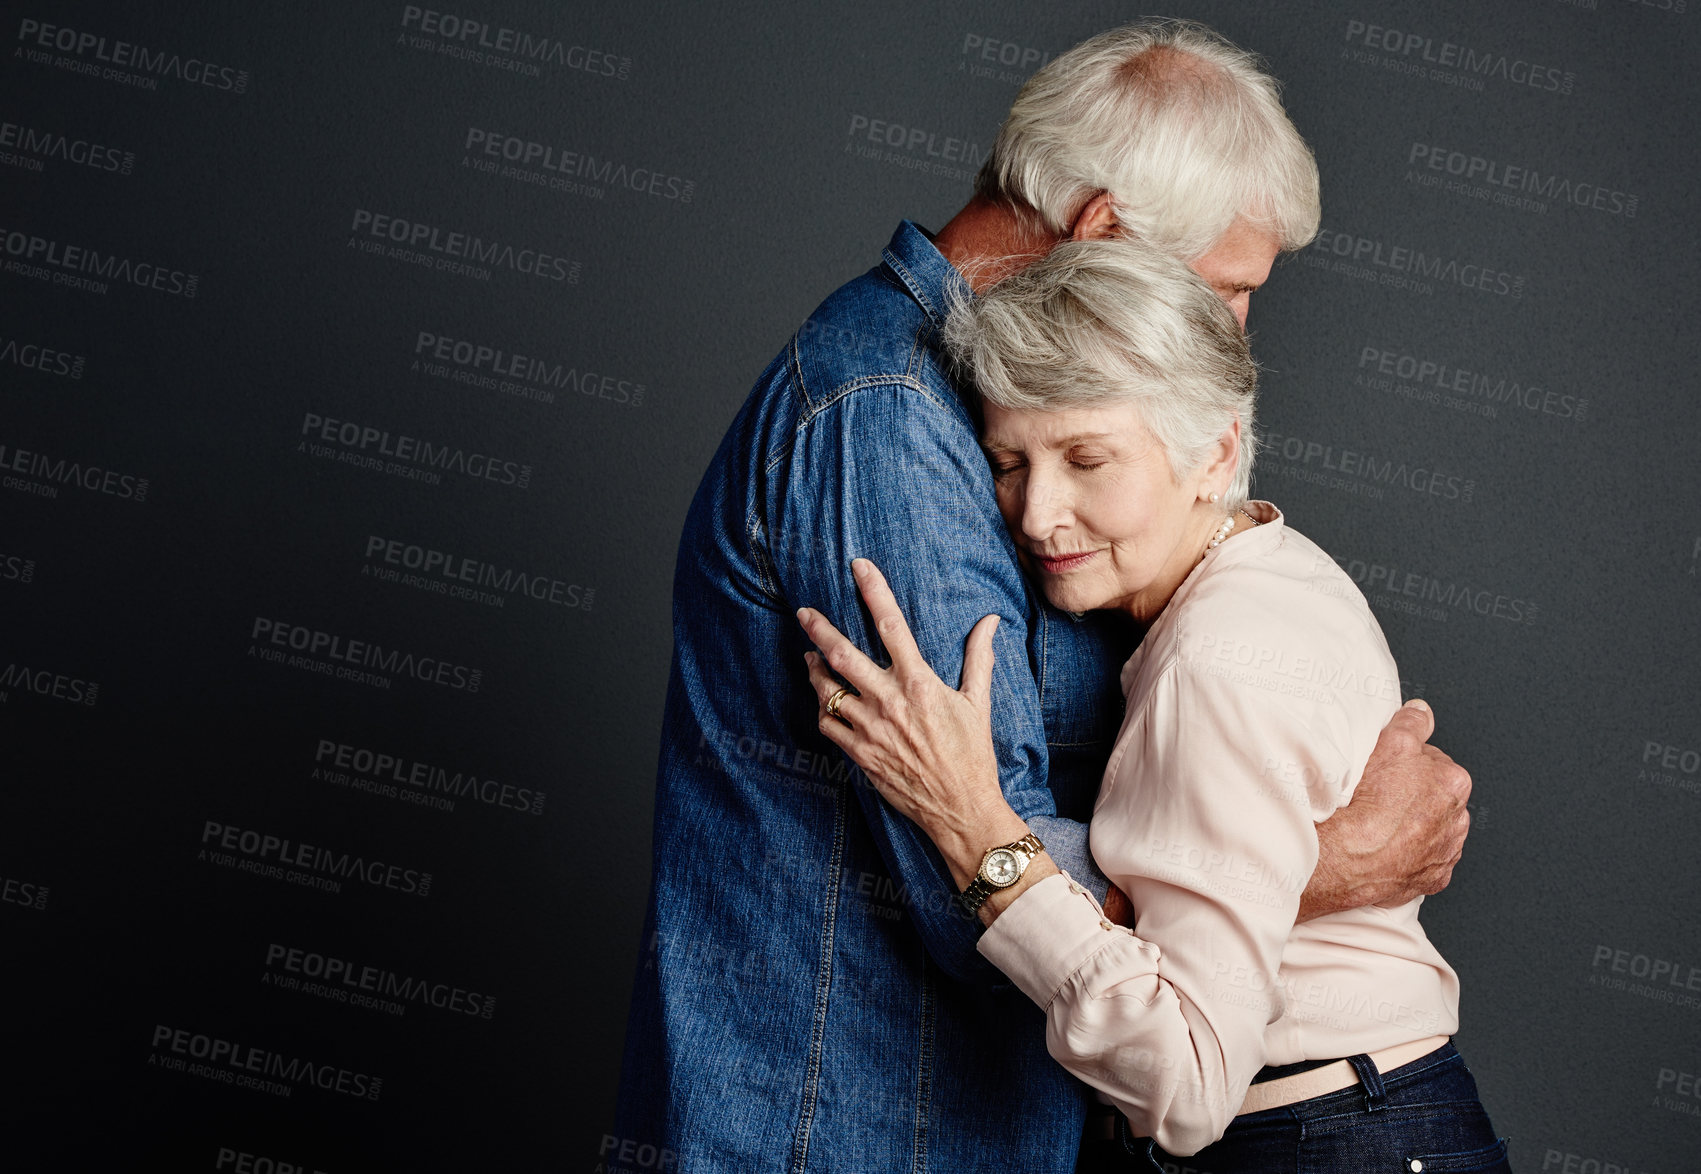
(1097, 220)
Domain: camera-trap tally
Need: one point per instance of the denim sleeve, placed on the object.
(895, 475)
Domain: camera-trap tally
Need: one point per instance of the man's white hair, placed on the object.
(1105, 322)
(1182, 128)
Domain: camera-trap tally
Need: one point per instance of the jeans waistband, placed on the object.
(1373, 1090)
(1101, 1117)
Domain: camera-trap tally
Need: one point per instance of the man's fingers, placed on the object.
(978, 659)
(841, 655)
(1458, 781)
(1413, 720)
(1440, 874)
(1447, 778)
(889, 622)
(1435, 880)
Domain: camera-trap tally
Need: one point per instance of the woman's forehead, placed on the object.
(1060, 428)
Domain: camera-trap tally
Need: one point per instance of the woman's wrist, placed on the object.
(964, 838)
(968, 837)
(1038, 869)
(969, 840)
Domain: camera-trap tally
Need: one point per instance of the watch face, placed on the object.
(1001, 867)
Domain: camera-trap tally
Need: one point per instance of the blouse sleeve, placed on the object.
(1207, 821)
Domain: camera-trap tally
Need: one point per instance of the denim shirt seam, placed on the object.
(860, 383)
(794, 368)
(912, 283)
(924, 1069)
(754, 536)
(823, 989)
(919, 351)
(1043, 622)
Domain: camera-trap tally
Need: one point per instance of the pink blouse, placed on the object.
(1253, 704)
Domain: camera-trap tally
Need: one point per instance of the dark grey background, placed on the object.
(1584, 845)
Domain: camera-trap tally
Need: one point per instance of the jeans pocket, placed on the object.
(1489, 1158)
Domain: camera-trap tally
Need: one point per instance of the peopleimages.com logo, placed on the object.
(346, 658)
(33, 356)
(83, 267)
(481, 43)
(40, 145)
(375, 987)
(494, 368)
(415, 458)
(1517, 185)
(531, 158)
(344, 764)
(43, 682)
(1451, 62)
(308, 865)
(36, 469)
(1418, 262)
(452, 249)
(232, 1062)
(122, 61)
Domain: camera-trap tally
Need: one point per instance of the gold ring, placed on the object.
(834, 701)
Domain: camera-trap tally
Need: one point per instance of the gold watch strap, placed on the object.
(980, 888)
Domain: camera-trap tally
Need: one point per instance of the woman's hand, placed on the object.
(926, 747)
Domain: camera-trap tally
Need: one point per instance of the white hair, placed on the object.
(1105, 322)
(1181, 126)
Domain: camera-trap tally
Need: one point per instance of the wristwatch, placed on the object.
(1000, 868)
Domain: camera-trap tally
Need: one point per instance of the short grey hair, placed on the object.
(1106, 322)
(1182, 127)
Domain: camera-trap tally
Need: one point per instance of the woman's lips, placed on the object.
(1068, 562)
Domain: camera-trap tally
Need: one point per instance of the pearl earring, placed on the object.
(1215, 497)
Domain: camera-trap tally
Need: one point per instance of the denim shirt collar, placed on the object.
(923, 270)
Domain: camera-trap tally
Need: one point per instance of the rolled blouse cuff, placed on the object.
(1046, 935)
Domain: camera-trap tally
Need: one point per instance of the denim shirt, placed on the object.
(808, 995)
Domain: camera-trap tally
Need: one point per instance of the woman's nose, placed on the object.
(1045, 507)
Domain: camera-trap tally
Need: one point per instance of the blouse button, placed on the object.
(1106, 923)
(1076, 888)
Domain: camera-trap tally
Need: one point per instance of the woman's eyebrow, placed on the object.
(1061, 442)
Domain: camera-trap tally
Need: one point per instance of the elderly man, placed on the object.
(810, 996)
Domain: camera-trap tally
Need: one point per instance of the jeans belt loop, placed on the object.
(1141, 1148)
(1375, 1092)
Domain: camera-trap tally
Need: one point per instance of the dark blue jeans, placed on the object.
(1423, 1112)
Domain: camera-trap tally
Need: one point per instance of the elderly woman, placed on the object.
(1118, 398)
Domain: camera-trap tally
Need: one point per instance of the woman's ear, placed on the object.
(1222, 461)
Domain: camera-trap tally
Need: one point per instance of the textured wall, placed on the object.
(357, 364)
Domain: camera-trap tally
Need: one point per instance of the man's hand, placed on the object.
(1404, 830)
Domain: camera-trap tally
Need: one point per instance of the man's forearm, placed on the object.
(1404, 830)
(1347, 876)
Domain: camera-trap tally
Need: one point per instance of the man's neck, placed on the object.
(986, 242)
